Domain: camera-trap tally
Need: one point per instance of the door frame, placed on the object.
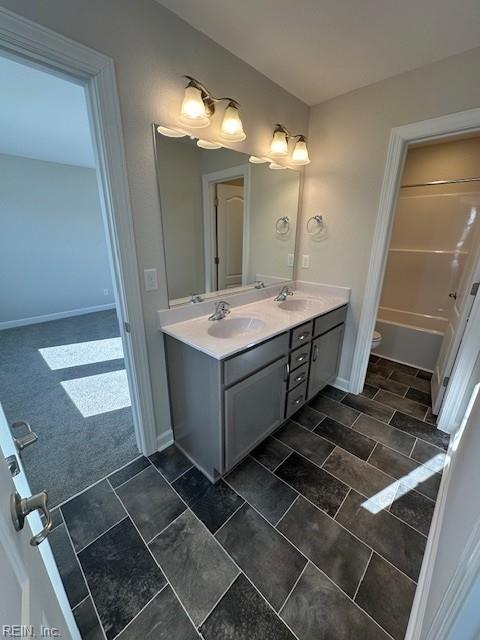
(400, 138)
(209, 180)
(42, 47)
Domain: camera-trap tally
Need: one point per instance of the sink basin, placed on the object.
(295, 304)
(233, 327)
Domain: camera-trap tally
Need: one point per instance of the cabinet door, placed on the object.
(253, 409)
(325, 358)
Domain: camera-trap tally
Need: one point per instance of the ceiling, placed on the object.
(43, 116)
(318, 49)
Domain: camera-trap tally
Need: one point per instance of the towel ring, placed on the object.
(315, 226)
(282, 226)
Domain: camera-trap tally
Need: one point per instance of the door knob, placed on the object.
(24, 441)
(21, 507)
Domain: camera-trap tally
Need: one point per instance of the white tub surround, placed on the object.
(254, 316)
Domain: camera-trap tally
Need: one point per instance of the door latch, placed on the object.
(13, 465)
(21, 507)
(21, 442)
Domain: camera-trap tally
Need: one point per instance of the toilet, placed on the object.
(376, 340)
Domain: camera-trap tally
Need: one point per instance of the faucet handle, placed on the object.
(223, 306)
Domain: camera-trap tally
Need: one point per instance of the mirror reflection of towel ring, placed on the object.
(282, 226)
(316, 227)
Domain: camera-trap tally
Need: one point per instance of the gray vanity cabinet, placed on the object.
(222, 409)
(253, 409)
(325, 358)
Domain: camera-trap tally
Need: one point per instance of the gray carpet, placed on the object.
(72, 451)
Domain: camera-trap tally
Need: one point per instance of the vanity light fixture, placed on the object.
(171, 133)
(300, 151)
(279, 145)
(198, 107)
(206, 144)
(232, 127)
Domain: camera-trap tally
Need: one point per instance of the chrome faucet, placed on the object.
(222, 309)
(282, 296)
(195, 297)
(259, 284)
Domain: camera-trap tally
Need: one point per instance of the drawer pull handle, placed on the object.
(303, 336)
(301, 357)
(300, 377)
(298, 400)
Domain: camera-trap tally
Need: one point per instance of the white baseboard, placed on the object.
(22, 322)
(164, 440)
(341, 383)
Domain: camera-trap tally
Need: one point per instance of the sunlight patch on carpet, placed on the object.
(101, 393)
(80, 353)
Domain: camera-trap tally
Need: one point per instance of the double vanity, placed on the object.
(243, 355)
(234, 380)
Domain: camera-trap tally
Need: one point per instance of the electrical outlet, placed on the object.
(306, 261)
(151, 281)
(106, 292)
(290, 259)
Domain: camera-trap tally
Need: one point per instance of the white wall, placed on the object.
(152, 48)
(53, 255)
(348, 139)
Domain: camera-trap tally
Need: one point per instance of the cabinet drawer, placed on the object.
(298, 376)
(240, 366)
(295, 399)
(301, 334)
(300, 356)
(329, 320)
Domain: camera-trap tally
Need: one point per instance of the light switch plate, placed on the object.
(306, 261)
(290, 259)
(151, 280)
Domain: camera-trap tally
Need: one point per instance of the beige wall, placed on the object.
(151, 48)
(443, 161)
(274, 194)
(348, 138)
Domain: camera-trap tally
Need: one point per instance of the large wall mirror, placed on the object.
(227, 223)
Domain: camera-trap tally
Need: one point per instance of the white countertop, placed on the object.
(195, 332)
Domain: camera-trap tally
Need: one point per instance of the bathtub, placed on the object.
(411, 338)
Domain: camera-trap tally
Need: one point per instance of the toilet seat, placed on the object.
(376, 336)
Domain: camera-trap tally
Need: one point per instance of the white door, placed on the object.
(457, 322)
(230, 203)
(31, 591)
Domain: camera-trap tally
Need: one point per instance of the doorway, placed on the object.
(63, 373)
(433, 257)
(228, 249)
(448, 128)
(225, 224)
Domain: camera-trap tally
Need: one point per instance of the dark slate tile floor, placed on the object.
(320, 532)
